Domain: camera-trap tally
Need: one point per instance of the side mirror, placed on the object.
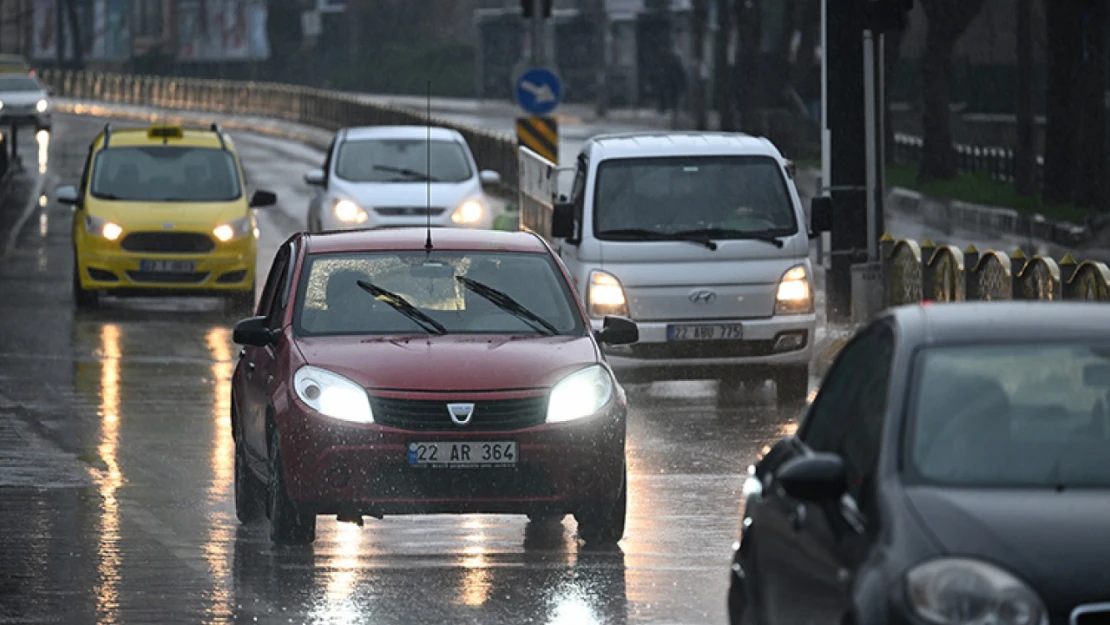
(489, 177)
(618, 331)
(315, 178)
(816, 477)
(263, 198)
(562, 221)
(254, 331)
(67, 195)
(820, 214)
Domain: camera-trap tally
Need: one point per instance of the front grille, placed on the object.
(493, 415)
(402, 482)
(1095, 614)
(168, 277)
(409, 211)
(702, 349)
(168, 243)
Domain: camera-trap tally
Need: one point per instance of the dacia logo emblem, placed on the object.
(704, 296)
(460, 413)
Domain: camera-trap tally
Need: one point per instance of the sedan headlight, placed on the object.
(332, 395)
(102, 227)
(42, 105)
(605, 295)
(349, 212)
(580, 394)
(962, 591)
(468, 213)
(794, 296)
(233, 230)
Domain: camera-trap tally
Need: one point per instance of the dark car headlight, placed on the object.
(963, 591)
(332, 395)
(580, 394)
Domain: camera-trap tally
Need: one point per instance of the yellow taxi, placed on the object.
(163, 211)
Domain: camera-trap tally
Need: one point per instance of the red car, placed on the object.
(384, 375)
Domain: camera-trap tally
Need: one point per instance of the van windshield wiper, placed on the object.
(503, 301)
(643, 234)
(767, 236)
(403, 306)
(404, 171)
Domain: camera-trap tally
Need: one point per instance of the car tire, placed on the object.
(250, 492)
(83, 299)
(604, 523)
(792, 385)
(288, 526)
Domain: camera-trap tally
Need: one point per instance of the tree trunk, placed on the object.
(1091, 86)
(75, 34)
(601, 38)
(1025, 154)
(1061, 131)
(722, 87)
(892, 53)
(938, 161)
(749, 28)
(697, 91)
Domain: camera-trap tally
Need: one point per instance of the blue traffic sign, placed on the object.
(538, 91)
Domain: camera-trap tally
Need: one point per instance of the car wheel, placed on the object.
(241, 303)
(287, 525)
(792, 385)
(250, 492)
(605, 523)
(82, 298)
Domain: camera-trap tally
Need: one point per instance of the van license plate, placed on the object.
(706, 332)
(168, 266)
(462, 455)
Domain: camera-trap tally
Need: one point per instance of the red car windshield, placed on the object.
(440, 287)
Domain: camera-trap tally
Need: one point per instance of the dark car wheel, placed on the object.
(250, 492)
(605, 523)
(792, 385)
(82, 298)
(287, 525)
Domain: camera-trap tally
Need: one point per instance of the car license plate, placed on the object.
(459, 454)
(168, 266)
(705, 332)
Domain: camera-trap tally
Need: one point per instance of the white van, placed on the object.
(698, 237)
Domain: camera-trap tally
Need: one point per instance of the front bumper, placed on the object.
(16, 118)
(229, 268)
(334, 467)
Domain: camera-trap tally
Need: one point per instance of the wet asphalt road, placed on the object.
(116, 466)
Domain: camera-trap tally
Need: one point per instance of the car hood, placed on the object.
(447, 195)
(201, 216)
(451, 362)
(1056, 541)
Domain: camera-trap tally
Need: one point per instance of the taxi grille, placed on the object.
(168, 277)
(409, 211)
(168, 243)
(490, 415)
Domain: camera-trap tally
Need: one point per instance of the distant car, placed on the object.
(163, 211)
(953, 469)
(382, 377)
(24, 101)
(378, 177)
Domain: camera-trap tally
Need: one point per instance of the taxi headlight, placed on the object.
(233, 230)
(606, 295)
(468, 213)
(580, 394)
(332, 395)
(41, 106)
(962, 591)
(794, 296)
(349, 212)
(102, 227)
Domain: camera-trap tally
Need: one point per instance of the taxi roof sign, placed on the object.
(165, 131)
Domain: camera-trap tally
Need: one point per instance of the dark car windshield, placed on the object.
(160, 173)
(724, 196)
(1030, 415)
(331, 301)
(401, 160)
(19, 83)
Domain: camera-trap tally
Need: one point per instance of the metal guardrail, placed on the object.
(322, 108)
(998, 163)
(915, 272)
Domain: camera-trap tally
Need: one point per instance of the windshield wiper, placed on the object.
(654, 235)
(402, 305)
(411, 173)
(765, 236)
(509, 305)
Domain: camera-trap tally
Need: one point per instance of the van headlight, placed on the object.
(605, 295)
(102, 227)
(348, 212)
(794, 295)
(580, 394)
(962, 591)
(332, 395)
(233, 230)
(41, 106)
(468, 213)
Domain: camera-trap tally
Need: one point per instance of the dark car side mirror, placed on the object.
(562, 221)
(820, 214)
(261, 199)
(254, 331)
(814, 477)
(618, 331)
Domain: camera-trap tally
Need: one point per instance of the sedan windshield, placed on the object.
(401, 160)
(446, 292)
(723, 197)
(165, 174)
(1031, 415)
(19, 83)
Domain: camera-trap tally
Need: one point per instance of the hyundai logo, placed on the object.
(460, 413)
(703, 296)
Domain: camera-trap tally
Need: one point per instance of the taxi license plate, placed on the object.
(705, 332)
(168, 266)
(458, 454)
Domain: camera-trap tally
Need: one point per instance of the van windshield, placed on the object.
(726, 197)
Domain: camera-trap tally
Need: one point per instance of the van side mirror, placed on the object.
(315, 178)
(489, 177)
(254, 331)
(820, 214)
(815, 477)
(261, 199)
(66, 195)
(618, 331)
(562, 220)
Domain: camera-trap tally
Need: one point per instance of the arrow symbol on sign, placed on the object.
(542, 93)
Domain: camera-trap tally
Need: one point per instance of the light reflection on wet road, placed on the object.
(129, 405)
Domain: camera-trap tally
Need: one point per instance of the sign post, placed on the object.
(538, 92)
